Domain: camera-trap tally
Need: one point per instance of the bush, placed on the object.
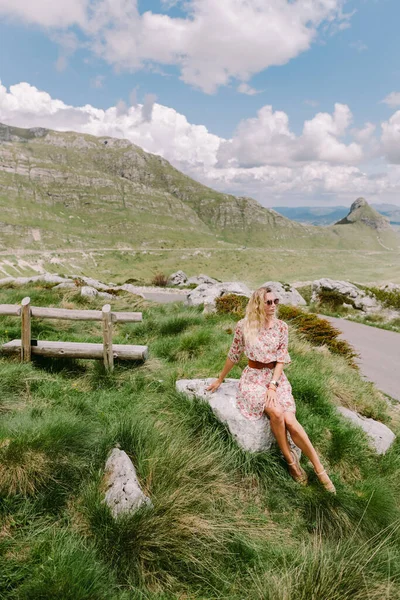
(389, 298)
(333, 299)
(231, 304)
(160, 280)
(317, 331)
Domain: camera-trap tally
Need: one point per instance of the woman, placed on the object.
(263, 387)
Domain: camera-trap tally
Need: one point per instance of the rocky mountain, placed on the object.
(71, 191)
(362, 212)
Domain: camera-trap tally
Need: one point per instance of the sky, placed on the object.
(292, 102)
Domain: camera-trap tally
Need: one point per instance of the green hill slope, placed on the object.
(79, 190)
(67, 196)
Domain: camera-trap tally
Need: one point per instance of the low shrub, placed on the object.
(389, 298)
(231, 304)
(160, 280)
(333, 299)
(317, 331)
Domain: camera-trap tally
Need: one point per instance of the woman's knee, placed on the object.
(292, 424)
(275, 415)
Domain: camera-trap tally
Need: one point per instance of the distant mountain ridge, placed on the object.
(328, 215)
(72, 190)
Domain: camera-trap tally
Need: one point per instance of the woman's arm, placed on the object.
(234, 355)
(271, 390)
(229, 364)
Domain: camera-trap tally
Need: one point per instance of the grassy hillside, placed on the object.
(75, 203)
(225, 524)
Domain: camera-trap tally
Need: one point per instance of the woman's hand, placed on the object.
(214, 386)
(270, 398)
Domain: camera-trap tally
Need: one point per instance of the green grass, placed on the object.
(224, 523)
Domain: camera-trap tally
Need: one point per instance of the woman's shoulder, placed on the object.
(282, 325)
(240, 324)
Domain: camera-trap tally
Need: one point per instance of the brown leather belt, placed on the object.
(255, 364)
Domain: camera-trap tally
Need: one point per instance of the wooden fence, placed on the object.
(106, 351)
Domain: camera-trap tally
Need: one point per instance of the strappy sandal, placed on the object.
(302, 479)
(328, 485)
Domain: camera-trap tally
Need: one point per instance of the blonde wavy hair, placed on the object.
(255, 318)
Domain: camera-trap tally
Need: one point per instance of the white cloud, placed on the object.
(393, 99)
(45, 13)
(312, 103)
(359, 46)
(98, 81)
(268, 161)
(245, 88)
(364, 134)
(391, 138)
(215, 43)
(267, 140)
(61, 63)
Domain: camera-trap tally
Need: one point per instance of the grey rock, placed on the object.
(253, 436)
(94, 283)
(379, 434)
(287, 294)
(89, 292)
(178, 278)
(200, 279)
(354, 295)
(44, 277)
(64, 286)
(124, 494)
(207, 294)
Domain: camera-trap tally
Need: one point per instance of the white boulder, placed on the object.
(200, 279)
(253, 436)
(90, 292)
(286, 293)
(379, 434)
(124, 494)
(350, 292)
(178, 278)
(207, 294)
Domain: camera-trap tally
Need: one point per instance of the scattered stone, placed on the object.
(124, 494)
(64, 286)
(286, 293)
(178, 278)
(207, 294)
(355, 296)
(252, 436)
(380, 436)
(94, 283)
(200, 279)
(45, 278)
(390, 287)
(90, 292)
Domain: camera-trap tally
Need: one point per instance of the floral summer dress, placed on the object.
(270, 345)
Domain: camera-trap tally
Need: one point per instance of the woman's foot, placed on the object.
(326, 481)
(296, 470)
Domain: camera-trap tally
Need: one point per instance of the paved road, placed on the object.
(379, 352)
(163, 297)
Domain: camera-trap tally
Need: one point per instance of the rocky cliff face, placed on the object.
(70, 190)
(362, 212)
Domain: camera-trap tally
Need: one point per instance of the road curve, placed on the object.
(379, 351)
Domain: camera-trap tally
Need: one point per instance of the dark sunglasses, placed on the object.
(271, 302)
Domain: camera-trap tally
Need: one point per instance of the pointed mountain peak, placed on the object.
(362, 212)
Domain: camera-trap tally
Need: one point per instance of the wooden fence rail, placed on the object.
(107, 350)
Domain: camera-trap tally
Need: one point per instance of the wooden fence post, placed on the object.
(107, 338)
(26, 330)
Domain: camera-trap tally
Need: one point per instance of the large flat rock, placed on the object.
(379, 434)
(253, 436)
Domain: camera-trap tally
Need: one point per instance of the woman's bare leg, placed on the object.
(302, 441)
(278, 427)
